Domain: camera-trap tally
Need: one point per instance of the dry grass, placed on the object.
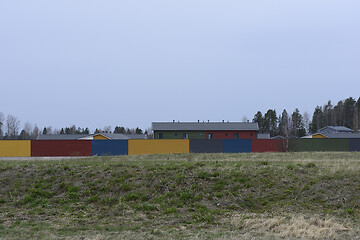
(293, 226)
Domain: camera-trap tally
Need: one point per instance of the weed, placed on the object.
(310, 165)
(349, 211)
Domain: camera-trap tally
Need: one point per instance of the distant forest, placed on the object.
(344, 113)
(10, 129)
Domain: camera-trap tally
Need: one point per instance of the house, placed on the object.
(205, 130)
(98, 136)
(334, 129)
(117, 136)
(263, 136)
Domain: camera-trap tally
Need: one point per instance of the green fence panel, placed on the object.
(318, 145)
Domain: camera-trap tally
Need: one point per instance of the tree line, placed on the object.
(344, 113)
(10, 129)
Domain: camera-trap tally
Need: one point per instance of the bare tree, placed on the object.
(306, 119)
(1, 125)
(12, 126)
(49, 130)
(35, 132)
(107, 129)
(28, 128)
(149, 133)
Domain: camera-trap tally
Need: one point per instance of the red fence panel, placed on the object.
(60, 148)
(269, 145)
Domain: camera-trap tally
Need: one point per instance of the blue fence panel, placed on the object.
(109, 147)
(354, 144)
(237, 145)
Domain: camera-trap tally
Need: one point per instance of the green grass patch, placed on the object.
(150, 197)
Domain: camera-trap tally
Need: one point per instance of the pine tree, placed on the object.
(349, 107)
(317, 120)
(120, 130)
(138, 131)
(258, 118)
(297, 125)
(270, 122)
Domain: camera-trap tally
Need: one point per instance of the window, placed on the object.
(236, 136)
(186, 136)
(210, 136)
(160, 136)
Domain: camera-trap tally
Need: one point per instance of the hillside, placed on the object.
(196, 196)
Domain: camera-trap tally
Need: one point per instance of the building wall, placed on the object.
(15, 148)
(100, 137)
(179, 134)
(230, 134)
(317, 135)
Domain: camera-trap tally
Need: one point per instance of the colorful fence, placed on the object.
(63, 148)
(15, 148)
(269, 145)
(109, 148)
(237, 145)
(318, 145)
(52, 148)
(206, 146)
(158, 146)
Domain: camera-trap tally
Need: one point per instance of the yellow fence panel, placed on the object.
(15, 148)
(158, 146)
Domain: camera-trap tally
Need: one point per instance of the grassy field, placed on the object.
(183, 196)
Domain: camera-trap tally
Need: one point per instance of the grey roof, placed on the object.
(61, 136)
(342, 135)
(113, 136)
(263, 136)
(335, 129)
(118, 136)
(205, 126)
(279, 137)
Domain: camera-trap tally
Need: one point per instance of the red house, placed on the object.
(205, 130)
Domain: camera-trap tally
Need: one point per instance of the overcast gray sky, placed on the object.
(128, 63)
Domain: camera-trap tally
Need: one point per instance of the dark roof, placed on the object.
(342, 135)
(118, 136)
(335, 129)
(61, 136)
(279, 137)
(113, 136)
(205, 126)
